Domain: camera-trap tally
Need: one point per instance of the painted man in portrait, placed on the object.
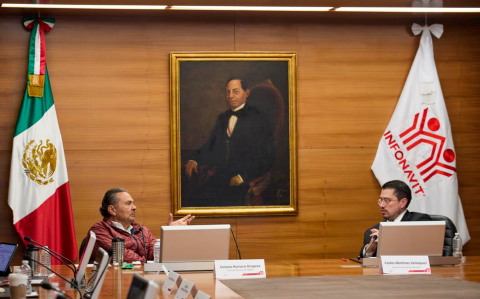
(240, 151)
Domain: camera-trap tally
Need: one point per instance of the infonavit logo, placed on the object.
(422, 152)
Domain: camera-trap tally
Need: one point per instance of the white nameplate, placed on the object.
(240, 269)
(405, 265)
(202, 295)
(170, 282)
(184, 289)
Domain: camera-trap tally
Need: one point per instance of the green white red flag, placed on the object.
(39, 193)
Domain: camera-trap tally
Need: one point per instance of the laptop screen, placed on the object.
(6, 254)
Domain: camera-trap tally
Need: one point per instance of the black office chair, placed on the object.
(82, 247)
(450, 231)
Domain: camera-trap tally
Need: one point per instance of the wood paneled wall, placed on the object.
(110, 79)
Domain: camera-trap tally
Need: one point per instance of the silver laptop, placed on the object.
(86, 254)
(95, 283)
(411, 238)
(195, 243)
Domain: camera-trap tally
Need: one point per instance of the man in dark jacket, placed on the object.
(241, 148)
(393, 202)
(118, 211)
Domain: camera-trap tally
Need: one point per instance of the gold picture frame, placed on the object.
(251, 171)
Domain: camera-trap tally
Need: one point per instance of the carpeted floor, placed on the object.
(361, 287)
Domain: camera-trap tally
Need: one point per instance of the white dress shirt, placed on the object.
(120, 226)
(233, 120)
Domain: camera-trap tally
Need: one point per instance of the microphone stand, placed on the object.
(370, 244)
(235, 239)
(26, 257)
(144, 245)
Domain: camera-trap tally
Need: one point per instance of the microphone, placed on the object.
(26, 257)
(49, 287)
(371, 243)
(235, 239)
(89, 294)
(144, 245)
(61, 261)
(28, 239)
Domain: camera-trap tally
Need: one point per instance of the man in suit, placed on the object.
(241, 147)
(393, 202)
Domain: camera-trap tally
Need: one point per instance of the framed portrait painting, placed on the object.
(233, 133)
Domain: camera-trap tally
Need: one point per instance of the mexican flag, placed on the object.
(417, 146)
(39, 194)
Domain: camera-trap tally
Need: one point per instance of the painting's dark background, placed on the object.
(202, 99)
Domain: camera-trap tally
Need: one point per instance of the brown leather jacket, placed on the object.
(135, 242)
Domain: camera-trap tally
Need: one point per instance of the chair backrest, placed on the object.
(82, 247)
(450, 231)
(266, 97)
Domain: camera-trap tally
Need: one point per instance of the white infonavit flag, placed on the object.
(417, 146)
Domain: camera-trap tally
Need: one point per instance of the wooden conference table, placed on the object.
(117, 281)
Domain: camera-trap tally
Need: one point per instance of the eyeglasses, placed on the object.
(386, 201)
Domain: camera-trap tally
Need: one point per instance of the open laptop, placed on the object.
(95, 283)
(7, 251)
(86, 254)
(192, 247)
(411, 238)
(195, 243)
(408, 238)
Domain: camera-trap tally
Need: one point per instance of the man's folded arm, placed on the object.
(131, 256)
